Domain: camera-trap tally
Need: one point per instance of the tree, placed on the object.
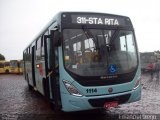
(2, 57)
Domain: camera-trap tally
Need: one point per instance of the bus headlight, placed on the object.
(71, 89)
(138, 82)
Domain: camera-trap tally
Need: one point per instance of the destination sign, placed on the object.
(95, 20)
(98, 20)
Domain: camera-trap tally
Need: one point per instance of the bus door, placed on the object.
(45, 81)
(52, 69)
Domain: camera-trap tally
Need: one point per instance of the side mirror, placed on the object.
(55, 36)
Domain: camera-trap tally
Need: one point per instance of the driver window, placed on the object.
(130, 43)
(126, 43)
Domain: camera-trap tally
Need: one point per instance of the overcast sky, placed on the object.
(22, 20)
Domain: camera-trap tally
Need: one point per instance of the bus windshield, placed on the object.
(99, 52)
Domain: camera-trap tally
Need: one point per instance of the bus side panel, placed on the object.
(28, 72)
(28, 69)
(39, 67)
(39, 75)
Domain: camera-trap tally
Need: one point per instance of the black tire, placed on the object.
(57, 111)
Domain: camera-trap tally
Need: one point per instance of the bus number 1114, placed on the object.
(92, 90)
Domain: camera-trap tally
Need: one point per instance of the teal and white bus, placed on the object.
(83, 61)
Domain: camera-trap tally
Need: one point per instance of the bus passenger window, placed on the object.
(42, 47)
(38, 50)
(28, 54)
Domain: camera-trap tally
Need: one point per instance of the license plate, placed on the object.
(108, 105)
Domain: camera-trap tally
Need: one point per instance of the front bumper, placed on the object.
(72, 103)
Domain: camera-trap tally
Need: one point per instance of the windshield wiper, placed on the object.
(114, 36)
(87, 32)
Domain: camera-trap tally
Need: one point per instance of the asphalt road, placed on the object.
(18, 103)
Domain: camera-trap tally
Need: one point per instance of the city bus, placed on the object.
(148, 60)
(84, 61)
(20, 65)
(14, 66)
(4, 66)
(7, 67)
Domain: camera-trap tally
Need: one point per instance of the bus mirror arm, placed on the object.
(55, 35)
